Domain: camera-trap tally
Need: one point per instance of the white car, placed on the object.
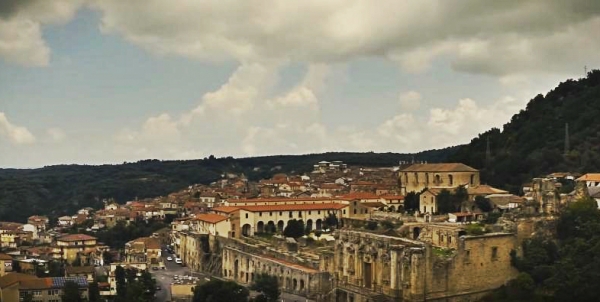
(169, 258)
(177, 260)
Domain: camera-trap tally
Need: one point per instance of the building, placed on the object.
(374, 267)
(214, 224)
(87, 272)
(40, 222)
(14, 286)
(144, 249)
(274, 218)
(417, 177)
(5, 264)
(74, 246)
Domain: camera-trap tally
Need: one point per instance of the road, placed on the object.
(165, 277)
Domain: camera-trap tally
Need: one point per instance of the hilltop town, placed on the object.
(340, 233)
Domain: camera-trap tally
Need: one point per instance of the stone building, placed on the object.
(417, 177)
(70, 247)
(445, 263)
(242, 266)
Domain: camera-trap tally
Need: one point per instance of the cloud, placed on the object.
(56, 134)
(410, 100)
(17, 135)
(21, 40)
(499, 38)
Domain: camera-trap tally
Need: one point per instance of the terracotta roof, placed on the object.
(4, 256)
(484, 190)
(274, 200)
(149, 242)
(225, 209)
(445, 167)
(360, 195)
(375, 204)
(12, 278)
(76, 237)
(392, 197)
(211, 218)
(79, 269)
(590, 177)
(294, 207)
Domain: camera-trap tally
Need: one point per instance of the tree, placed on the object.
(521, 288)
(267, 286)
(120, 280)
(216, 291)
(294, 229)
(445, 202)
(26, 297)
(411, 201)
(71, 292)
(483, 204)
(371, 225)
(331, 221)
(94, 292)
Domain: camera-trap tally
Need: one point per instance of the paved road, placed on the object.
(165, 277)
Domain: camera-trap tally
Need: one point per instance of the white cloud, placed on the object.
(21, 40)
(56, 134)
(15, 134)
(410, 100)
(499, 38)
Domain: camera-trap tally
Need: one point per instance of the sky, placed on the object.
(94, 82)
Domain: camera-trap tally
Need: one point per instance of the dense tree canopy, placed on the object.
(267, 286)
(532, 143)
(217, 291)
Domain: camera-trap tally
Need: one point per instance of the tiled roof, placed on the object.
(590, 177)
(392, 197)
(294, 207)
(375, 204)
(37, 283)
(149, 242)
(4, 256)
(211, 218)
(446, 167)
(275, 200)
(12, 278)
(360, 195)
(79, 269)
(76, 237)
(484, 190)
(225, 209)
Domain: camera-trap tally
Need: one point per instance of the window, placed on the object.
(318, 212)
(441, 238)
(308, 212)
(344, 211)
(472, 179)
(53, 292)
(494, 253)
(280, 213)
(451, 179)
(291, 214)
(37, 292)
(246, 215)
(270, 213)
(449, 239)
(354, 211)
(300, 214)
(260, 214)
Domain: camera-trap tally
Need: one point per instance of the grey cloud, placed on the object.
(9, 8)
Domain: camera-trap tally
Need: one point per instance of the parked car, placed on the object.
(178, 261)
(169, 258)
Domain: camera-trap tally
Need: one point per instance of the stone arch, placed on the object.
(280, 226)
(301, 284)
(288, 282)
(247, 230)
(271, 227)
(295, 284)
(260, 227)
(392, 209)
(309, 225)
(319, 224)
(351, 262)
(416, 232)
(438, 179)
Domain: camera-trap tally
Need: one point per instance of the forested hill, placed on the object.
(533, 142)
(63, 189)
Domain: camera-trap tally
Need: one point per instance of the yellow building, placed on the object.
(5, 264)
(417, 177)
(71, 246)
(144, 249)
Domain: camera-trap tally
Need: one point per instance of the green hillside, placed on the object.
(63, 189)
(533, 142)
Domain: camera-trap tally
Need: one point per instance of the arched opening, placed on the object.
(235, 269)
(451, 179)
(462, 233)
(301, 284)
(247, 230)
(295, 284)
(260, 227)
(280, 226)
(271, 227)
(319, 224)
(309, 224)
(392, 209)
(351, 264)
(288, 282)
(416, 233)
(438, 179)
